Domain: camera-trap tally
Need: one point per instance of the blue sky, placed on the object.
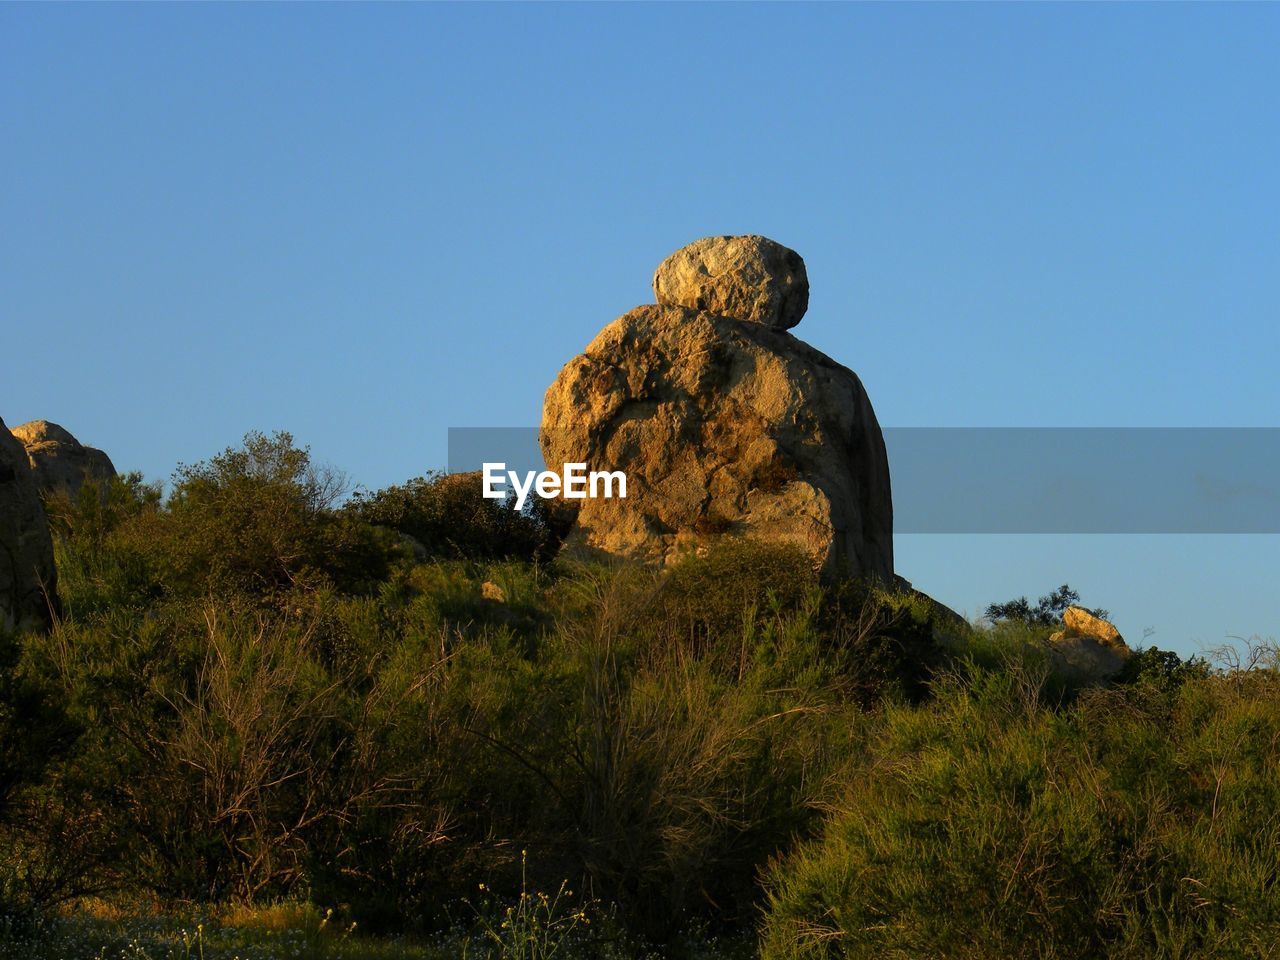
(365, 224)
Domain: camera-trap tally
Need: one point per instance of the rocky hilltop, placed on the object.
(59, 461)
(724, 422)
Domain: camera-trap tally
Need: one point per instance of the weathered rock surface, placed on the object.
(27, 577)
(60, 462)
(1081, 622)
(1090, 649)
(747, 278)
(722, 427)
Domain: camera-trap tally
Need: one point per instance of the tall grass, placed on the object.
(1136, 822)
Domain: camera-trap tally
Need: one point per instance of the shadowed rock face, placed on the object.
(59, 461)
(27, 575)
(724, 426)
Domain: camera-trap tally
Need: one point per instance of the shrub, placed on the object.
(259, 696)
(260, 519)
(1163, 669)
(104, 544)
(33, 728)
(662, 777)
(35, 733)
(450, 519)
(1047, 611)
(715, 594)
(986, 825)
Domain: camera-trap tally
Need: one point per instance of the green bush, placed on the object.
(1133, 824)
(34, 730)
(257, 519)
(663, 779)
(709, 596)
(260, 519)
(105, 544)
(256, 694)
(35, 734)
(1047, 611)
(450, 519)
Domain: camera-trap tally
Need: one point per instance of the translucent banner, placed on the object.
(1033, 480)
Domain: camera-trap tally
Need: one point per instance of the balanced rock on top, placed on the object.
(724, 423)
(747, 278)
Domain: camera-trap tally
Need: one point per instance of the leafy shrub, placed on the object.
(105, 544)
(34, 734)
(1047, 611)
(1163, 669)
(262, 695)
(257, 519)
(714, 594)
(450, 519)
(873, 640)
(985, 825)
(663, 773)
(33, 729)
(260, 518)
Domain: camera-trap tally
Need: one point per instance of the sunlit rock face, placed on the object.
(748, 278)
(1089, 649)
(60, 462)
(724, 423)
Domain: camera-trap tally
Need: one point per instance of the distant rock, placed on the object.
(1090, 649)
(27, 576)
(1081, 622)
(60, 462)
(724, 423)
(747, 278)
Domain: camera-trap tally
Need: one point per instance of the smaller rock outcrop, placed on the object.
(1090, 649)
(60, 462)
(1080, 622)
(27, 577)
(749, 278)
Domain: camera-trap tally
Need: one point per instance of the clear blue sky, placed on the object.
(365, 224)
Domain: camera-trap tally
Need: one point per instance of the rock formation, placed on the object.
(747, 278)
(723, 422)
(59, 461)
(1090, 649)
(26, 548)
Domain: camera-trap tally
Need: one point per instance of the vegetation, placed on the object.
(271, 724)
(1048, 609)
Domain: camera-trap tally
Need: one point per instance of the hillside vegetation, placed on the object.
(396, 725)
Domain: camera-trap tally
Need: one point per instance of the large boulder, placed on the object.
(724, 425)
(27, 577)
(60, 462)
(748, 278)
